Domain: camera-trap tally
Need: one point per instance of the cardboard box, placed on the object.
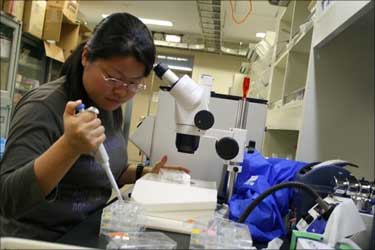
(33, 17)
(311, 6)
(69, 38)
(53, 51)
(52, 23)
(14, 8)
(84, 31)
(69, 8)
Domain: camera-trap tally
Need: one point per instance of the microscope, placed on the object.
(194, 120)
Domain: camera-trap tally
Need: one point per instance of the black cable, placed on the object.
(273, 189)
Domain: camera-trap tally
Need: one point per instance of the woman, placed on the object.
(49, 180)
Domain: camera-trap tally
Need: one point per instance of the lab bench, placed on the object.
(86, 234)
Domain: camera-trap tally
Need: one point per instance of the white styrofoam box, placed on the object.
(155, 195)
(19, 243)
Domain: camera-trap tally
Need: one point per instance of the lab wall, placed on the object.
(221, 67)
(140, 108)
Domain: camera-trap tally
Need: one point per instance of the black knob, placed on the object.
(227, 148)
(204, 119)
(160, 69)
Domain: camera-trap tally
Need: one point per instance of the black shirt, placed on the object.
(36, 124)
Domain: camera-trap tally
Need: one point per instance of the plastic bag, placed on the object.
(258, 174)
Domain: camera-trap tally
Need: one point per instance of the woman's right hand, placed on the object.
(84, 133)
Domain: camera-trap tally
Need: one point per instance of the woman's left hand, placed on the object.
(161, 164)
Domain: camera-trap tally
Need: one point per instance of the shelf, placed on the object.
(30, 66)
(301, 15)
(337, 17)
(296, 95)
(83, 27)
(280, 143)
(4, 59)
(288, 80)
(67, 20)
(287, 117)
(303, 42)
(288, 14)
(296, 73)
(22, 90)
(339, 100)
(280, 59)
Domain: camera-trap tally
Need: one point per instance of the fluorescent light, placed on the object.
(180, 68)
(172, 58)
(260, 34)
(156, 22)
(150, 21)
(181, 59)
(173, 38)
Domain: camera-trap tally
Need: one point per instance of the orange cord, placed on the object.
(247, 15)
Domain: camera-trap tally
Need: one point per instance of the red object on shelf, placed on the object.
(246, 86)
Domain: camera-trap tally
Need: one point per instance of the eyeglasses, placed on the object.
(132, 86)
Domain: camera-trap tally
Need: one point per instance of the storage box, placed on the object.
(14, 8)
(52, 23)
(69, 38)
(33, 17)
(68, 8)
(85, 31)
(311, 6)
(53, 51)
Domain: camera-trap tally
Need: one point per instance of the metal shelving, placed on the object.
(10, 31)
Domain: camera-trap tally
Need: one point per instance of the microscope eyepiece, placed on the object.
(164, 73)
(160, 69)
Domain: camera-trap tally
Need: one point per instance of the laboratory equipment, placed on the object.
(321, 177)
(122, 216)
(155, 136)
(140, 240)
(101, 155)
(194, 120)
(220, 233)
(324, 208)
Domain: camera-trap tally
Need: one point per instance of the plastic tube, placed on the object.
(273, 189)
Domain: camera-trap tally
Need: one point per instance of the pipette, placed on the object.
(101, 155)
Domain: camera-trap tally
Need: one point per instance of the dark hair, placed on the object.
(119, 34)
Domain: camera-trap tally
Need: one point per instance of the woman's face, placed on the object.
(107, 81)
